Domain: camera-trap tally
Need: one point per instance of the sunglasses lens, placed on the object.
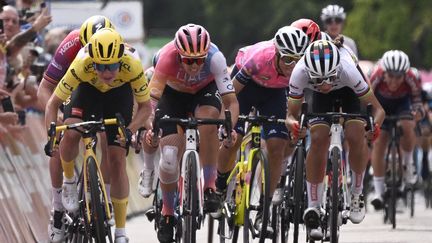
(333, 20)
(190, 61)
(110, 67)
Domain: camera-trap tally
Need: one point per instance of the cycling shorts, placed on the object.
(322, 103)
(394, 107)
(182, 105)
(268, 102)
(86, 101)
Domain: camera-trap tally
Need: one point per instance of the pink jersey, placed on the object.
(258, 63)
(63, 57)
(169, 71)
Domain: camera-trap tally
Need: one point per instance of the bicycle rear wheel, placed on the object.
(190, 205)
(227, 228)
(259, 199)
(97, 212)
(334, 214)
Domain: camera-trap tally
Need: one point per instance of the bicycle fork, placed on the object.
(191, 147)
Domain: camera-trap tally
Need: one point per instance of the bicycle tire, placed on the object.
(393, 189)
(412, 201)
(210, 229)
(276, 222)
(190, 204)
(226, 225)
(334, 214)
(97, 212)
(298, 191)
(259, 162)
(288, 203)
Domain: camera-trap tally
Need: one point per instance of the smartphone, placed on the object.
(1, 26)
(21, 117)
(7, 104)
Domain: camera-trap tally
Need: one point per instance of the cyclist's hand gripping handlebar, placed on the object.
(51, 140)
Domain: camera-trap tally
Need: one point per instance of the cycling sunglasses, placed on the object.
(103, 67)
(288, 59)
(192, 60)
(333, 20)
(327, 80)
(395, 75)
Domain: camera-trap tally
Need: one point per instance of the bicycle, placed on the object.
(294, 191)
(91, 219)
(336, 200)
(394, 167)
(248, 187)
(189, 198)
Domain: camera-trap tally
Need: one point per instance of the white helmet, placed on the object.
(322, 59)
(395, 61)
(325, 36)
(291, 40)
(332, 11)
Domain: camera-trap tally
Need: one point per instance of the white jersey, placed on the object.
(347, 76)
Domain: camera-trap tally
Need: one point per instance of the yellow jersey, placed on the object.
(82, 71)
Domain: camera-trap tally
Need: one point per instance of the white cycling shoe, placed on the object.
(70, 196)
(56, 235)
(145, 183)
(121, 239)
(411, 174)
(358, 209)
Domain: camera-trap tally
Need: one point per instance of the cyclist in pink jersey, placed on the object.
(397, 87)
(58, 66)
(190, 77)
(261, 76)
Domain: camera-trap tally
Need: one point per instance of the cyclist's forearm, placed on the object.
(44, 92)
(51, 110)
(231, 103)
(141, 117)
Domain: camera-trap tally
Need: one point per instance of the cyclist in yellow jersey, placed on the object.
(105, 77)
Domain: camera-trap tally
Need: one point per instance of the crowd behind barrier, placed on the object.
(25, 198)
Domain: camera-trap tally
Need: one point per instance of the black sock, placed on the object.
(221, 180)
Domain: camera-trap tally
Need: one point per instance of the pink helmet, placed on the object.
(308, 26)
(192, 40)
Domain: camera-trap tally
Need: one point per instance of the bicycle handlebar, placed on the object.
(191, 122)
(89, 127)
(260, 120)
(336, 115)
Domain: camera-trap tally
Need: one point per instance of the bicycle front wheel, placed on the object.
(334, 214)
(190, 205)
(299, 188)
(257, 214)
(97, 212)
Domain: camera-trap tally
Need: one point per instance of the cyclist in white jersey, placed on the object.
(331, 74)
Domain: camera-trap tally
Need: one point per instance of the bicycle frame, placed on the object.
(244, 167)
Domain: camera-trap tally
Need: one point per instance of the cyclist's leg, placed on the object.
(275, 135)
(407, 142)
(84, 102)
(171, 150)
(379, 167)
(118, 100)
(208, 104)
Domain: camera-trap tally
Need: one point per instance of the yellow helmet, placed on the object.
(106, 46)
(91, 25)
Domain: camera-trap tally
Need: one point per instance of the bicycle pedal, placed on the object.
(150, 214)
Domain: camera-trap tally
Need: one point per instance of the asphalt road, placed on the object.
(408, 230)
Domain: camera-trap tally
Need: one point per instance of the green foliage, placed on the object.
(376, 25)
(380, 25)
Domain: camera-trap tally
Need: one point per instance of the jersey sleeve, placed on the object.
(218, 68)
(63, 58)
(139, 84)
(70, 81)
(298, 81)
